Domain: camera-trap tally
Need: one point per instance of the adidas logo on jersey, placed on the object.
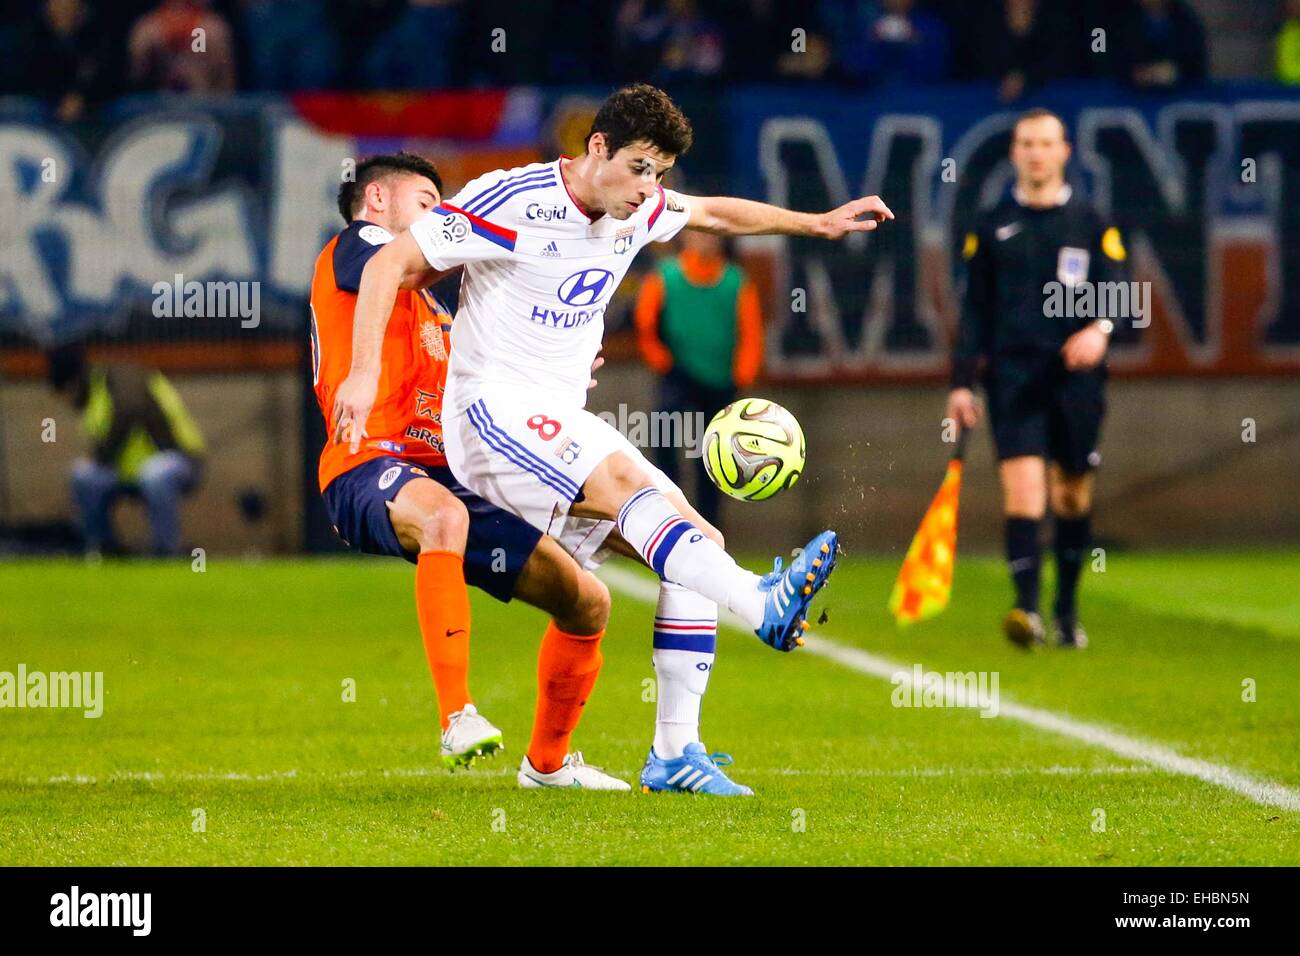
(551, 250)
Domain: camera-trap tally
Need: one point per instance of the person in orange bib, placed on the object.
(396, 496)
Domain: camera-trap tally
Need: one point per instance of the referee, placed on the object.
(1041, 368)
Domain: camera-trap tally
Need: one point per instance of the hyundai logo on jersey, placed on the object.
(586, 287)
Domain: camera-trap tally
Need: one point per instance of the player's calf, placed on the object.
(551, 580)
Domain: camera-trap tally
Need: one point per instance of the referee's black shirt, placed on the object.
(1011, 255)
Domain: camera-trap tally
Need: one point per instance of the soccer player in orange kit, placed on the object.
(396, 496)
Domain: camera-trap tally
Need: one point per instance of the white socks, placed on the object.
(680, 553)
(686, 630)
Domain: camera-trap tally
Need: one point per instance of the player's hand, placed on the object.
(963, 407)
(1085, 349)
(600, 360)
(840, 222)
(352, 404)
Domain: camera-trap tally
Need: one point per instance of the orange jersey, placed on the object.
(406, 420)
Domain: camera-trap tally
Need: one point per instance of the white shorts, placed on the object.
(530, 454)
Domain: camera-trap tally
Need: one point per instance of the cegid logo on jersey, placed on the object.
(544, 213)
(585, 288)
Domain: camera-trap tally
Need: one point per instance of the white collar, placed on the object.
(1062, 197)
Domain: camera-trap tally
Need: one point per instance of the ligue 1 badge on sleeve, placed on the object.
(1071, 266)
(454, 229)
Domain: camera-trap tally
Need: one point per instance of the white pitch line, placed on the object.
(1262, 792)
(330, 776)
(153, 776)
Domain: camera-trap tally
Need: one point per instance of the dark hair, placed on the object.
(1039, 112)
(379, 167)
(642, 112)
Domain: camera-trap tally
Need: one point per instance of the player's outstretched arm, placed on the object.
(728, 216)
(398, 263)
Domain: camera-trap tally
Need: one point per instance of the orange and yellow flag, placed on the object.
(925, 580)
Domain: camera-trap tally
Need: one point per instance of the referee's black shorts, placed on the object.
(1036, 407)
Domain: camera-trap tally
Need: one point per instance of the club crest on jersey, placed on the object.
(1071, 266)
(431, 339)
(623, 239)
(568, 451)
(586, 287)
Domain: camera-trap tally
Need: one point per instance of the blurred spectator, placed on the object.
(183, 47)
(418, 50)
(767, 47)
(66, 58)
(1022, 46)
(1288, 45)
(529, 31)
(292, 45)
(1163, 45)
(671, 41)
(358, 24)
(699, 325)
(144, 443)
(889, 43)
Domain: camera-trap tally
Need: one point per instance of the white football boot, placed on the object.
(469, 735)
(574, 772)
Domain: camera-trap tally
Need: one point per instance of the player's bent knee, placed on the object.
(428, 517)
(592, 611)
(623, 475)
(445, 528)
(609, 486)
(1071, 502)
(587, 611)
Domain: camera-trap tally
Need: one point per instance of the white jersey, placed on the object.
(539, 274)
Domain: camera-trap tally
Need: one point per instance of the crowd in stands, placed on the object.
(75, 53)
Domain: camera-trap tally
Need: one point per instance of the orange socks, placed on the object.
(566, 671)
(442, 603)
(567, 664)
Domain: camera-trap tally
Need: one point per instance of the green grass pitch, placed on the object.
(224, 693)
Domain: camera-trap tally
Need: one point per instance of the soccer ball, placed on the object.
(753, 449)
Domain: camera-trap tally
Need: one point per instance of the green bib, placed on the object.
(698, 324)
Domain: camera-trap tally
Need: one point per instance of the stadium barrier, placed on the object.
(105, 221)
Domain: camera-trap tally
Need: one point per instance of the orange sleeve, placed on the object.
(649, 303)
(749, 336)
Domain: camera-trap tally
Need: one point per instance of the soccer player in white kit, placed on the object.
(543, 248)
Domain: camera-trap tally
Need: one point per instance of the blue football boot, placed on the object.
(790, 592)
(695, 771)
